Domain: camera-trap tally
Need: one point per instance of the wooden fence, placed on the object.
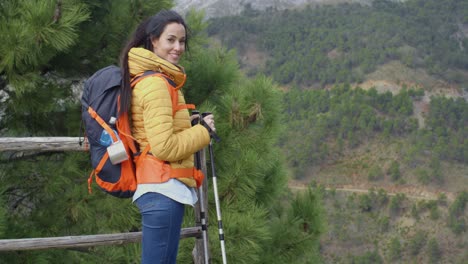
(57, 144)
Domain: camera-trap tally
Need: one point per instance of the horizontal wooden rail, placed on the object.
(43, 144)
(82, 241)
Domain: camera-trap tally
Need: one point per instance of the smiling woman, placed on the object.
(166, 176)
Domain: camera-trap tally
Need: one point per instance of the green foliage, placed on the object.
(417, 242)
(396, 203)
(3, 216)
(394, 171)
(433, 250)
(442, 199)
(46, 110)
(423, 176)
(367, 258)
(307, 207)
(433, 209)
(375, 173)
(247, 229)
(436, 170)
(446, 125)
(37, 33)
(296, 231)
(415, 212)
(384, 224)
(372, 201)
(381, 198)
(394, 249)
(456, 219)
(251, 123)
(365, 203)
(219, 71)
(459, 205)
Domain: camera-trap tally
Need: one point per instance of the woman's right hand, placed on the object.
(209, 121)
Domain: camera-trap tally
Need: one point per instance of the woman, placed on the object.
(157, 46)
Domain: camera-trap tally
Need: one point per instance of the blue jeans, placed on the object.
(162, 222)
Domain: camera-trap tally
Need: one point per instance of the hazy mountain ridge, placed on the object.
(219, 8)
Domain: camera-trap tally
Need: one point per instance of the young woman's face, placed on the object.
(171, 44)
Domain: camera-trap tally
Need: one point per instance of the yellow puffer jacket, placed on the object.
(171, 138)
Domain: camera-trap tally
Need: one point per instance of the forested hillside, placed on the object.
(375, 105)
(343, 43)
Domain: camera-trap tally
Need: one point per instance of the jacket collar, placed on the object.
(141, 60)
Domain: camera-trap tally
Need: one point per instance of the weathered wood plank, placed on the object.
(43, 144)
(82, 241)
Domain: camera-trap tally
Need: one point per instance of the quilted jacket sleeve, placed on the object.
(171, 138)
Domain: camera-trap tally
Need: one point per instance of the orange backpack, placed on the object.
(100, 115)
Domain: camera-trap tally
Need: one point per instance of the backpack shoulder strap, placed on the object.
(171, 88)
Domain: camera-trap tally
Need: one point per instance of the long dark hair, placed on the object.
(147, 30)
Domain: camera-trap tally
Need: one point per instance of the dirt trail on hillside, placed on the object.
(411, 192)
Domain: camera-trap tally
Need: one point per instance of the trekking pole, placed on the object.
(218, 210)
(215, 189)
(202, 199)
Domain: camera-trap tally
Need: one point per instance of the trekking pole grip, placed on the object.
(212, 133)
(195, 120)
